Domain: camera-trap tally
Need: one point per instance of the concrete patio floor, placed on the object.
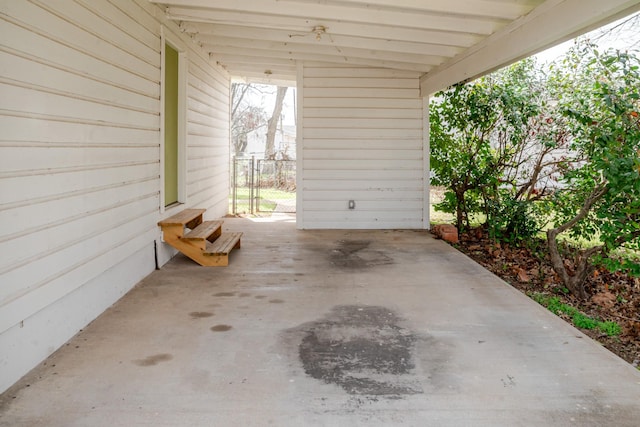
(327, 328)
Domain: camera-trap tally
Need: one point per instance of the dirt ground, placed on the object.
(613, 296)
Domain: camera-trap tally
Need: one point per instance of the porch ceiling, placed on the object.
(446, 41)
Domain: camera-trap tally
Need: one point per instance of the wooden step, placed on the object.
(217, 253)
(208, 230)
(223, 244)
(190, 218)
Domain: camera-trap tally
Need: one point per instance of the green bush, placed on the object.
(598, 98)
(512, 220)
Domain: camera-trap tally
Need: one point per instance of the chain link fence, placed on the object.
(260, 186)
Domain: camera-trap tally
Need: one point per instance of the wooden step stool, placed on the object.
(204, 243)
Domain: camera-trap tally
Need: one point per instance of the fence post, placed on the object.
(259, 166)
(234, 182)
(251, 185)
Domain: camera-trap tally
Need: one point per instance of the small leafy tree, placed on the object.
(598, 96)
(492, 145)
(462, 119)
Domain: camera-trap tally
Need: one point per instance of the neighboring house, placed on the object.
(114, 114)
(284, 143)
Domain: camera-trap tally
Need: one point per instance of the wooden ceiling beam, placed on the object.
(553, 22)
(268, 9)
(312, 39)
(274, 79)
(216, 43)
(220, 52)
(258, 62)
(484, 8)
(298, 25)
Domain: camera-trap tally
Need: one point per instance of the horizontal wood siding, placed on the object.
(207, 179)
(80, 150)
(363, 141)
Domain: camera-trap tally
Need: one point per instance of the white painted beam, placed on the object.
(274, 73)
(219, 44)
(273, 69)
(426, 165)
(459, 37)
(490, 9)
(275, 80)
(218, 53)
(395, 18)
(310, 38)
(300, 143)
(551, 23)
(256, 61)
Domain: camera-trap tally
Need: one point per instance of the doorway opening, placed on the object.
(263, 149)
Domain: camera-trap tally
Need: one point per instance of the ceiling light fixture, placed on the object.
(319, 30)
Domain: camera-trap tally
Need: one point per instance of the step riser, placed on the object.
(215, 235)
(208, 230)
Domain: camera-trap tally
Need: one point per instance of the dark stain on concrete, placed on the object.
(362, 349)
(153, 360)
(221, 328)
(200, 314)
(276, 301)
(224, 294)
(244, 295)
(357, 254)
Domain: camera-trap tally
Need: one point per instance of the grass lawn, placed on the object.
(271, 194)
(268, 199)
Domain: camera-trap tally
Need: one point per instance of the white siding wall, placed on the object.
(207, 138)
(80, 162)
(362, 140)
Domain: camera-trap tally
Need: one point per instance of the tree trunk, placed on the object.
(270, 151)
(459, 209)
(575, 282)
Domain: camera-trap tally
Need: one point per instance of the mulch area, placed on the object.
(613, 296)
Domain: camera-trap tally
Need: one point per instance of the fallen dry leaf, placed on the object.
(523, 276)
(531, 272)
(604, 299)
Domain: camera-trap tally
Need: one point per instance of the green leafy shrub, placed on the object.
(512, 220)
(493, 148)
(598, 96)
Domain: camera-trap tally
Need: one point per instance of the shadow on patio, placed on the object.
(327, 328)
